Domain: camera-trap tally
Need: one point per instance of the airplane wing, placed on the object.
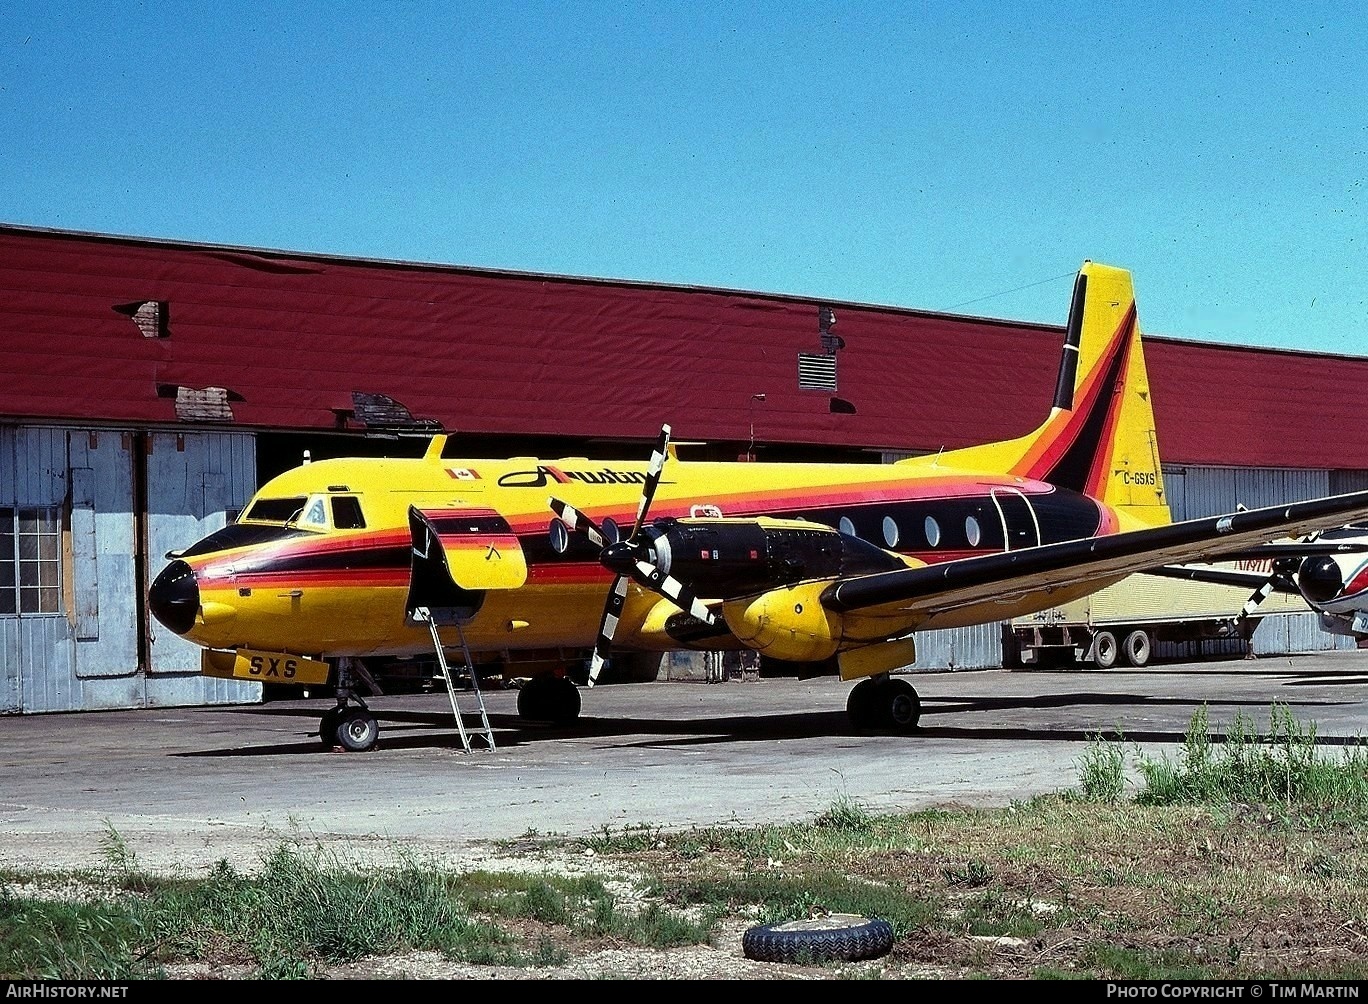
(922, 592)
(1227, 577)
(1291, 549)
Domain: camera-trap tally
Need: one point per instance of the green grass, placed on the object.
(1282, 766)
(1242, 856)
(301, 911)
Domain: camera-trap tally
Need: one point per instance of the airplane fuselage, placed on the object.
(319, 562)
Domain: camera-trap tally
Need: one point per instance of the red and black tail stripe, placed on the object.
(1075, 459)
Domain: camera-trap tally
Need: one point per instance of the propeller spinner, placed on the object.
(633, 558)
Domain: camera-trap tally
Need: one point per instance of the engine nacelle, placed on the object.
(788, 623)
(727, 558)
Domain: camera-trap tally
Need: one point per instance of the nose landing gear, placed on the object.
(351, 727)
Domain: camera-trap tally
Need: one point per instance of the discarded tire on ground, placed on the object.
(836, 937)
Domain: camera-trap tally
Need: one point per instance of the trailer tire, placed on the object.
(838, 937)
(1137, 648)
(1105, 650)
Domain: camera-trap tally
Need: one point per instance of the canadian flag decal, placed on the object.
(463, 474)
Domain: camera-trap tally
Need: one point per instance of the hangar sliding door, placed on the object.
(196, 483)
(100, 555)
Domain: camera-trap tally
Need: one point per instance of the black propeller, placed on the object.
(632, 557)
(1280, 580)
(1306, 568)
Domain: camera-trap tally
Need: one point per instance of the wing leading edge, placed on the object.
(934, 589)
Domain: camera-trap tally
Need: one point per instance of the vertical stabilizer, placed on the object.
(1100, 437)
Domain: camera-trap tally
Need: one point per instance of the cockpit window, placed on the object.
(275, 510)
(346, 513)
(315, 514)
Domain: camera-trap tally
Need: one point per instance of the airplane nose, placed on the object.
(174, 597)
(1320, 579)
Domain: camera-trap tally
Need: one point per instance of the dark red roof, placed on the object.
(291, 336)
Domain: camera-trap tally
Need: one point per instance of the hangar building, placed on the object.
(147, 387)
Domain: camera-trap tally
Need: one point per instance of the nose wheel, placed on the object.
(349, 726)
(354, 729)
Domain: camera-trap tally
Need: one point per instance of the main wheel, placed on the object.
(902, 706)
(1137, 648)
(884, 704)
(327, 726)
(837, 937)
(563, 701)
(358, 730)
(1105, 649)
(549, 699)
(861, 706)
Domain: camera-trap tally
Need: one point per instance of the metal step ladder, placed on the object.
(468, 733)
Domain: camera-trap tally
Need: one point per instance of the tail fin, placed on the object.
(1099, 438)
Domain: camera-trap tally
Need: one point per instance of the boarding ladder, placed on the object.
(468, 732)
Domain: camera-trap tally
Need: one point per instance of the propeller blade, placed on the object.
(612, 612)
(1279, 581)
(577, 521)
(648, 489)
(1262, 593)
(670, 587)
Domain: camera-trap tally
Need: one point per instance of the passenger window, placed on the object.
(847, 527)
(932, 531)
(346, 513)
(890, 531)
(972, 531)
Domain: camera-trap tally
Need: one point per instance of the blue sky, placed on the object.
(948, 157)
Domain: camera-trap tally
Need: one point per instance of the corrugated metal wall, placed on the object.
(1196, 491)
(977, 647)
(38, 647)
(195, 481)
(85, 656)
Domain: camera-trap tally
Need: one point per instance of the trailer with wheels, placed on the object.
(1124, 625)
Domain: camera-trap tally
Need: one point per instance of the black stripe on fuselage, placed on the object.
(243, 535)
(1060, 515)
(355, 558)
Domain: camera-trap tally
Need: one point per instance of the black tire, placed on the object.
(839, 937)
(884, 705)
(1105, 649)
(564, 701)
(358, 730)
(327, 727)
(860, 706)
(902, 706)
(549, 699)
(1136, 648)
(531, 703)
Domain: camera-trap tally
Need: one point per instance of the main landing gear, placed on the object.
(553, 699)
(882, 704)
(353, 728)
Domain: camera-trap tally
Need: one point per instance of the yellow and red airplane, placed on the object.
(548, 567)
